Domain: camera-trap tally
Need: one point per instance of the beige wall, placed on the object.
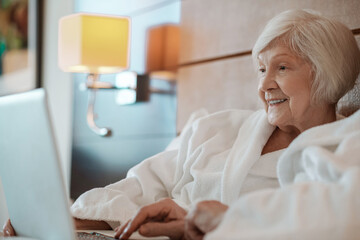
(216, 71)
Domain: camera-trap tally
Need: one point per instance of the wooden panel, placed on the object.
(213, 28)
(217, 85)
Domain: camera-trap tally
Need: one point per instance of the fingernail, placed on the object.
(122, 235)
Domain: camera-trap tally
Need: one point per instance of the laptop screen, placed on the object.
(30, 168)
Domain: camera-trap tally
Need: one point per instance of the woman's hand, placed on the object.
(163, 218)
(8, 229)
(203, 218)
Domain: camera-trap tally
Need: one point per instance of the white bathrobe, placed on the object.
(213, 159)
(319, 196)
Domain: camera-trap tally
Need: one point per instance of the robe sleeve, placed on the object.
(145, 183)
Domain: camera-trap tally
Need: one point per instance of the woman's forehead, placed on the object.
(278, 51)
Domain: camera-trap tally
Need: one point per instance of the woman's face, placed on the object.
(284, 87)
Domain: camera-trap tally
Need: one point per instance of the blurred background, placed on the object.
(139, 130)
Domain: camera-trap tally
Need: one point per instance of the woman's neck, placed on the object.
(315, 116)
(278, 140)
(281, 138)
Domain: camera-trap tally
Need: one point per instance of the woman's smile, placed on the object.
(275, 102)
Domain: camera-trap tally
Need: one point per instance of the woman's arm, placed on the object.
(146, 183)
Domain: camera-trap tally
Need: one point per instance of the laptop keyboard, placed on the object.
(93, 236)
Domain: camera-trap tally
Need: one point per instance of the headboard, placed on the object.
(216, 70)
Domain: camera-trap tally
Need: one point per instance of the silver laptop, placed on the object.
(30, 169)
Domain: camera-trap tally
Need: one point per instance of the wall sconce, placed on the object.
(162, 51)
(99, 44)
(94, 44)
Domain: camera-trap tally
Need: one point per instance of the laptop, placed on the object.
(31, 172)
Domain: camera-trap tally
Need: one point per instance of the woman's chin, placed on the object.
(274, 120)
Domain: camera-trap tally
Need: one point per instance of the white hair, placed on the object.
(328, 45)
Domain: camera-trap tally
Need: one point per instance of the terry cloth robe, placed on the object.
(213, 159)
(319, 198)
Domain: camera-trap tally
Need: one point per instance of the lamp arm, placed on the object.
(101, 131)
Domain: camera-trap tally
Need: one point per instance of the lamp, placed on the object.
(162, 51)
(99, 44)
(94, 44)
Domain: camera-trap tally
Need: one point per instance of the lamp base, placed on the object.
(101, 131)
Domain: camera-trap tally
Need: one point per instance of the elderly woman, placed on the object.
(305, 63)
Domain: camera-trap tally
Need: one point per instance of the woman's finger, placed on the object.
(8, 230)
(192, 232)
(139, 219)
(158, 210)
(174, 229)
(119, 230)
(163, 211)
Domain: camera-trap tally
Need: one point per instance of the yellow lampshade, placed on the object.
(91, 43)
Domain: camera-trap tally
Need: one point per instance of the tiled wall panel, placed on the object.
(217, 85)
(213, 28)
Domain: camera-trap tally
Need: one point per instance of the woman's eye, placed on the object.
(262, 70)
(282, 68)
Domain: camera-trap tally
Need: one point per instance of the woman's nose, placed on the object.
(267, 82)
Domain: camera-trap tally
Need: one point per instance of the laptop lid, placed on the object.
(30, 169)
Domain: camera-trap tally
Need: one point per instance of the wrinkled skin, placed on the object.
(163, 218)
(166, 218)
